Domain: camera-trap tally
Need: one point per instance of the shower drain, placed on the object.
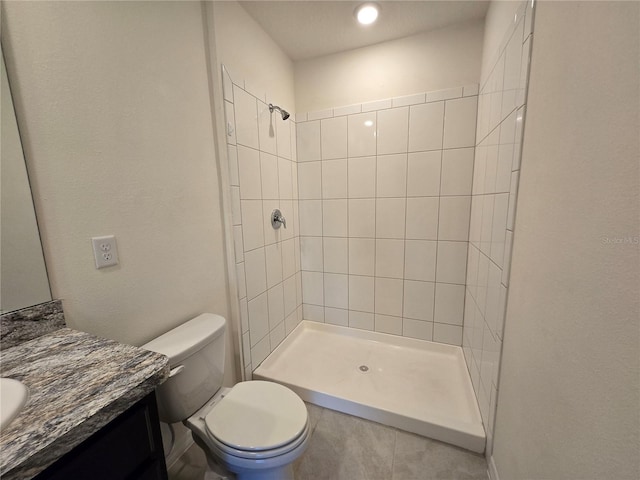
(363, 368)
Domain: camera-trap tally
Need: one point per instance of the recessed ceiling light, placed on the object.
(367, 13)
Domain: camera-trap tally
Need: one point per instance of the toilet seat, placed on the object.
(257, 420)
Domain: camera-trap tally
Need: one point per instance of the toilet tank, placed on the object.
(196, 358)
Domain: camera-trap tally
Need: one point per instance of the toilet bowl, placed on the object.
(255, 429)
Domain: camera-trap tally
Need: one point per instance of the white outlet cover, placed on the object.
(105, 251)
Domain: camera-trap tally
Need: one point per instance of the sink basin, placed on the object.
(13, 396)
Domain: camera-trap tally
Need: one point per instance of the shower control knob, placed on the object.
(277, 219)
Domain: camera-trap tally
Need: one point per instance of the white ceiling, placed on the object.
(311, 28)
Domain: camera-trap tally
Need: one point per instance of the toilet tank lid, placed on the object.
(186, 339)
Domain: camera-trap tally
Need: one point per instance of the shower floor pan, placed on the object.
(414, 385)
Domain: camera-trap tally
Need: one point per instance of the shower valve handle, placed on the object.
(277, 219)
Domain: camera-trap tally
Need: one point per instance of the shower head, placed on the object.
(284, 113)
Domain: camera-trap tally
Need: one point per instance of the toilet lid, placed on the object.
(256, 416)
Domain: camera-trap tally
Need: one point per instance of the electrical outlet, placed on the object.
(105, 251)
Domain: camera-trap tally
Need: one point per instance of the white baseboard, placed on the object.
(493, 471)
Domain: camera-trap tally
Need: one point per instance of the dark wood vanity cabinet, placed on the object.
(128, 448)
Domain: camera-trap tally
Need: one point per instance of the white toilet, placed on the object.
(255, 429)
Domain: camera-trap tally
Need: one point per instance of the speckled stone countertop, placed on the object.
(77, 384)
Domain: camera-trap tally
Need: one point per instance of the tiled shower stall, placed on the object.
(400, 213)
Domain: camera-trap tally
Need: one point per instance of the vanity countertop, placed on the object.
(77, 384)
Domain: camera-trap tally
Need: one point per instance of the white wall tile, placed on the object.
(289, 292)
(388, 296)
(334, 178)
(273, 255)
(362, 135)
(310, 180)
(308, 141)
(362, 256)
(238, 245)
(376, 105)
(256, 272)
(451, 262)
(315, 313)
(417, 329)
(336, 316)
(252, 224)
(513, 196)
(361, 320)
(276, 335)
(453, 221)
(320, 114)
(425, 126)
(236, 211)
(267, 129)
(390, 258)
(362, 217)
(500, 210)
(393, 128)
(457, 171)
(285, 179)
(449, 303)
(313, 288)
(420, 260)
(242, 280)
(234, 173)
(269, 176)
(334, 138)
(388, 324)
(407, 100)
(422, 218)
(460, 122)
(310, 217)
(258, 318)
(450, 334)
(390, 217)
(445, 94)
(423, 174)
(275, 297)
(227, 85)
(246, 117)
(249, 171)
(348, 110)
(283, 138)
(336, 258)
(362, 177)
(418, 300)
(392, 175)
(244, 315)
(260, 351)
(334, 214)
(311, 256)
(361, 293)
(336, 290)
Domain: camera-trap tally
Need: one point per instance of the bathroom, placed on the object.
(124, 111)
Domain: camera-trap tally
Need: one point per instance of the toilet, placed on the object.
(255, 429)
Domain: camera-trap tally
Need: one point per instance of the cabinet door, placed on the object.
(128, 447)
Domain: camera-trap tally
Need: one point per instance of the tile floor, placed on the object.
(343, 447)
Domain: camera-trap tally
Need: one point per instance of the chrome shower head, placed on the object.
(284, 113)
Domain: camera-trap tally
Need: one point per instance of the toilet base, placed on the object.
(217, 471)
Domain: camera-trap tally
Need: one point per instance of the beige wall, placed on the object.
(113, 103)
(435, 60)
(251, 55)
(569, 387)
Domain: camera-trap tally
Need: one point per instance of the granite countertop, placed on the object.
(77, 384)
